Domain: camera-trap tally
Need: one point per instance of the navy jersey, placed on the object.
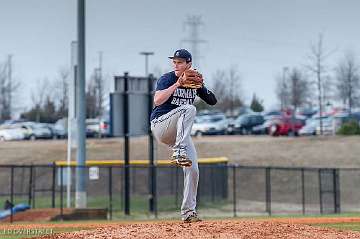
(180, 96)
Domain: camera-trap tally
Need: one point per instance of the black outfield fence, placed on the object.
(224, 190)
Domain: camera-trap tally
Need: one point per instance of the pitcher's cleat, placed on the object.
(181, 160)
(193, 217)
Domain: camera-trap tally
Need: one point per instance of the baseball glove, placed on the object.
(191, 79)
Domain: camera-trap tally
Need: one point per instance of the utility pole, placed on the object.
(193, 23)
(72, 132)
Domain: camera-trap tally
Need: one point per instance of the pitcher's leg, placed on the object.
(165, 127)
(191, 179)
(184, 125)
(173, 127)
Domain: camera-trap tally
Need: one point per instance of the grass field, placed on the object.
(354, 226)
(327, 151)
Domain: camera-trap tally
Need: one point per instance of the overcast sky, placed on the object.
(259, 37)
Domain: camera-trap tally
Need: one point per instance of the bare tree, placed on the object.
(61, 87)
(8, 88)
(328, 89)
(96, 94)
(38, 96)
(219, 83)
(96, 91)
(299, 89)
(317, 58)
(348, 81)
(234, 89)
(99, 86)
(91, 97)
(3, 104)
(282, 91)
(227, 87)
(293, 89)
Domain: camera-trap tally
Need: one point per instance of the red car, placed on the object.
(285, 126)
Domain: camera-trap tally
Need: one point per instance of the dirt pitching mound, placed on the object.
(245, 229)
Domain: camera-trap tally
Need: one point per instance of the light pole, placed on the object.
(146, 54)
(80, 194)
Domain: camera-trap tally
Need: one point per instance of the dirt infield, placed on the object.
(235, 228)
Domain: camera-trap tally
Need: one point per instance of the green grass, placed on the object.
(352, 226)
(139, 205)
(354, 214)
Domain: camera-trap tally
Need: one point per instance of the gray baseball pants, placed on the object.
(174, 129)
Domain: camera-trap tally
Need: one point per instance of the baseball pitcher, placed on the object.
(172, 119)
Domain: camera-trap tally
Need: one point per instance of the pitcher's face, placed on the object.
(180, 65)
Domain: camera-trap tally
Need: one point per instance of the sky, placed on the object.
(258, 37)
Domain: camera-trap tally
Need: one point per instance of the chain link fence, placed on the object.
(224, 190)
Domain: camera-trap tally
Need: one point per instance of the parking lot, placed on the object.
(14, 130)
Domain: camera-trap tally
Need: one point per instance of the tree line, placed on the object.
(316, 84)
(313, 84)
(50, 98)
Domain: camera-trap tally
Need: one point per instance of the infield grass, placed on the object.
(352, 226)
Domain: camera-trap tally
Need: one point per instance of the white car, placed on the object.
(210, 124)
(11, 133)
(310, 127)
(97, 127)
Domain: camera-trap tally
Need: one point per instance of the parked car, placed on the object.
(210, 125)
(11, 133)
(285, 126)
(245, 123)
(271, 114)
(35, 131)
(231, 124)
(50, 127)
(60, 128)
(262, 129)
(97, 127)
(309, 128)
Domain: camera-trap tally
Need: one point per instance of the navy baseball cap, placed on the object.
(182, 53)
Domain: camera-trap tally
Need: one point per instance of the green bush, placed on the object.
(350, 128)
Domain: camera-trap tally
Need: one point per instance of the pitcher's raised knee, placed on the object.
(190, 109)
